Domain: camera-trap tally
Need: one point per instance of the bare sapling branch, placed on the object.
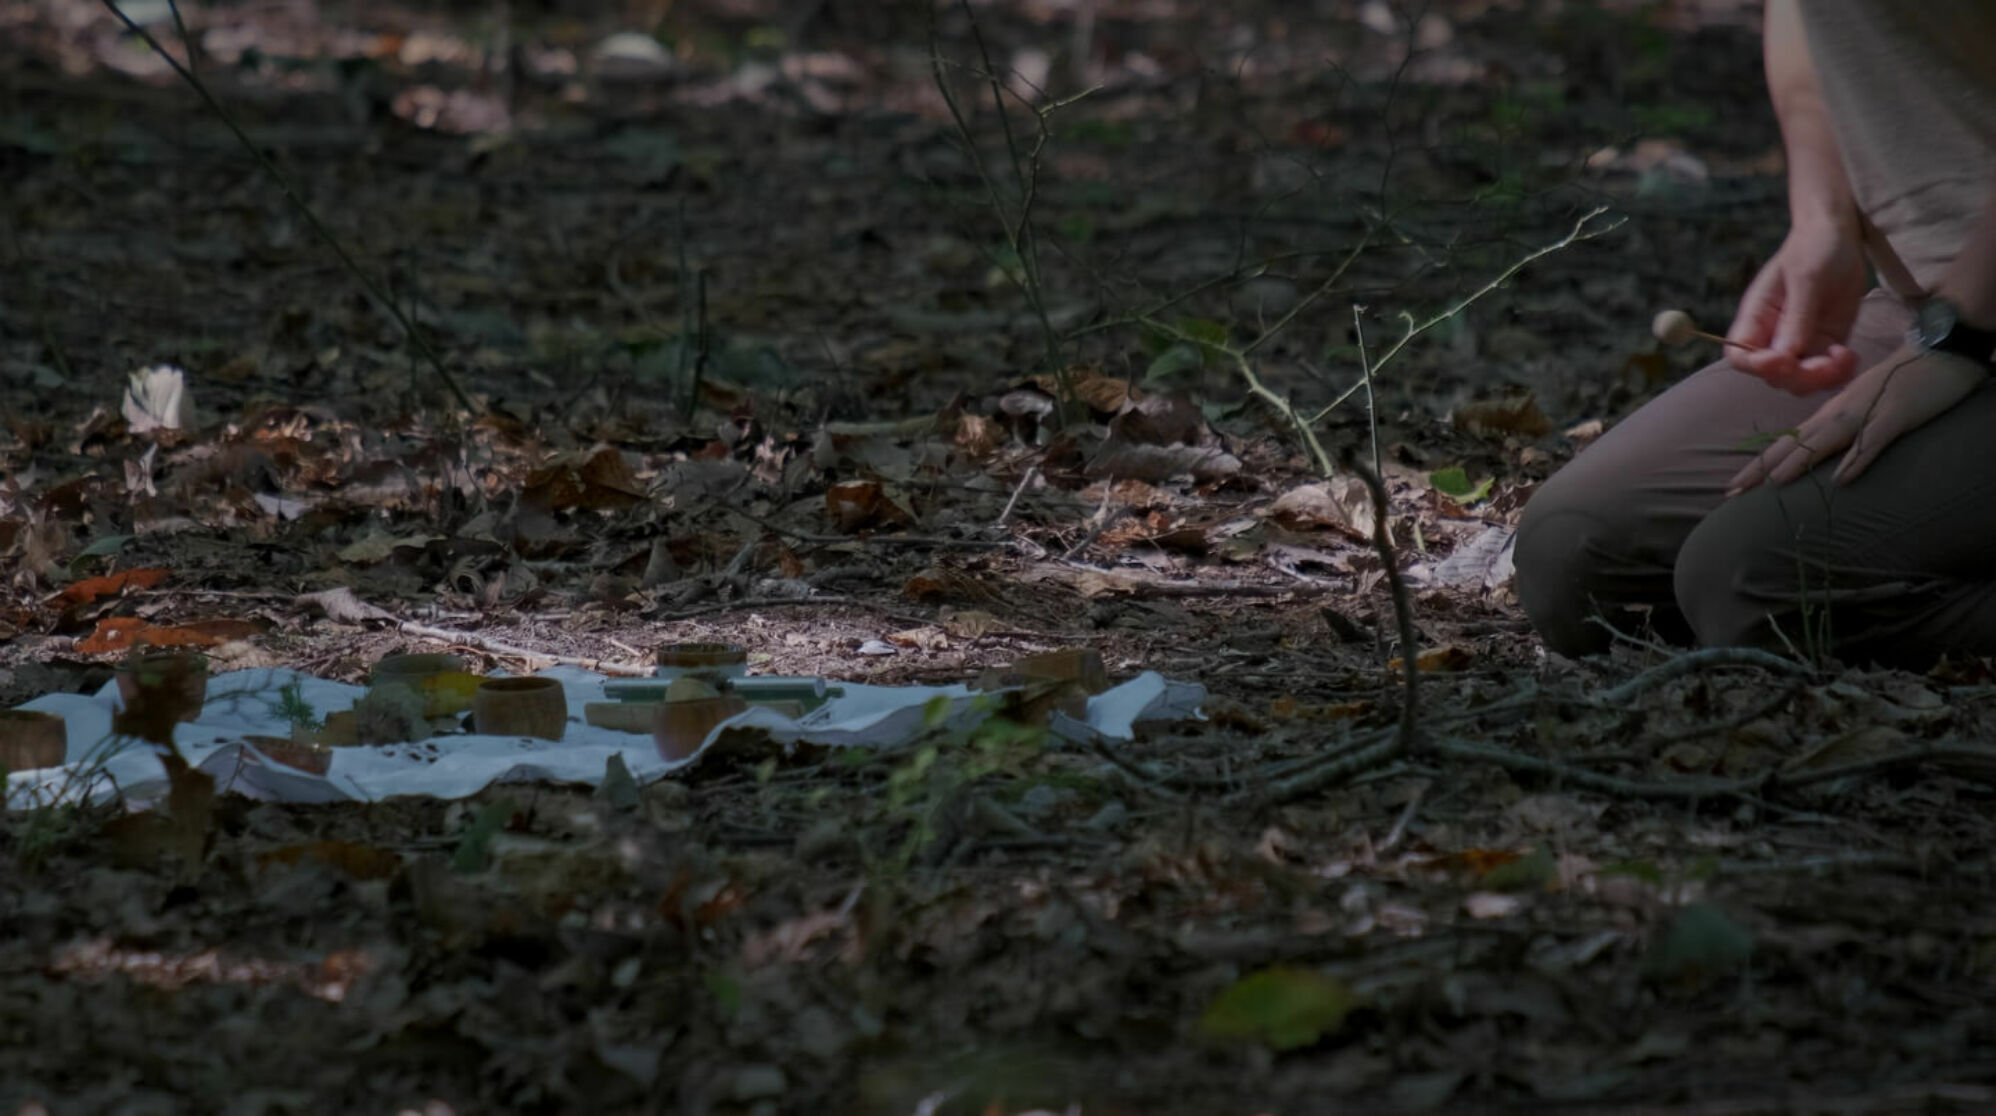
(1580, 231)
(1403, 611)
(1016, 222)
(367, 282)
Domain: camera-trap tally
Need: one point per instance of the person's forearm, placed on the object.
(1970, 281)
(1819, 192)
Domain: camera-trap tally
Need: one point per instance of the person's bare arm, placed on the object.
(1819, 192)
(1796, 315)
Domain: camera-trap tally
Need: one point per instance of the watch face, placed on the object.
(1936, 320)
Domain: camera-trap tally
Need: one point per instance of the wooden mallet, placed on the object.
(1675, 327)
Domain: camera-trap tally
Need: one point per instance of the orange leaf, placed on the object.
(1447, 657)
(92, 588)
(1518, 415)
(210, 633)
(854, 505)
(117, 634)
(114, 634)
(1482, 861)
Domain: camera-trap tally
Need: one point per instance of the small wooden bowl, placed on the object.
(30, 738)
(520, 707)
(702, 660)
(304, 755)
(177, 676)
(680, 727)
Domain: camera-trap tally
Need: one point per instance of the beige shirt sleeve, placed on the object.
(1911, 86)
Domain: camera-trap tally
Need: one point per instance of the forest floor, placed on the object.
(753, 345)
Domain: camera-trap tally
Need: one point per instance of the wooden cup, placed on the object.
(412, 671)
(680, 727)
(180, 677)
(520, 707)
(30, 738)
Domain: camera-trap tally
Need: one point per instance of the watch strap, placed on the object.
(1962, 340)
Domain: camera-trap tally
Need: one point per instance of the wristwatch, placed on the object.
(1938, 328)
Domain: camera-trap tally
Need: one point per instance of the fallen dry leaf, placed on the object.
(1519, 415)
(969, 623)
(341, 604)
(936, 583)
(361, 862)
(1448, 657)
(1342, 503)
(116, 634)
(92, 588)
(597, 480)
(1484, 562)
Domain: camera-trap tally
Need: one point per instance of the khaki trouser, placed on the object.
(1896, 568)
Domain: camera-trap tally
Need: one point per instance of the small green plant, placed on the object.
(1659, 120)
(474, 848)
(930, 786)
(292, 706)
(1285, 1007)
(54, 815)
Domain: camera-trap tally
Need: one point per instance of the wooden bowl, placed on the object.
(520, 707)
(30, 738)
(702, 660)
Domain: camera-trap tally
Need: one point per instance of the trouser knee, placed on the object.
(1555, 554)
(1711, 583)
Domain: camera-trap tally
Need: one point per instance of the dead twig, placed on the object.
(1406, 818)
(1348, 764)
(1676, 790)
(1403, 609)
(1017, 491)
(782, 602)
(496, 647)
(1160, 786)
(1691, 662)
(1617, 698)
(1104, 517)
(1979, 758)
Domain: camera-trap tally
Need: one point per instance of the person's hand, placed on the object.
(1896, 395)
(1797, 313)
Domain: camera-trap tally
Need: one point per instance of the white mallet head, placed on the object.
(1674, 327)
